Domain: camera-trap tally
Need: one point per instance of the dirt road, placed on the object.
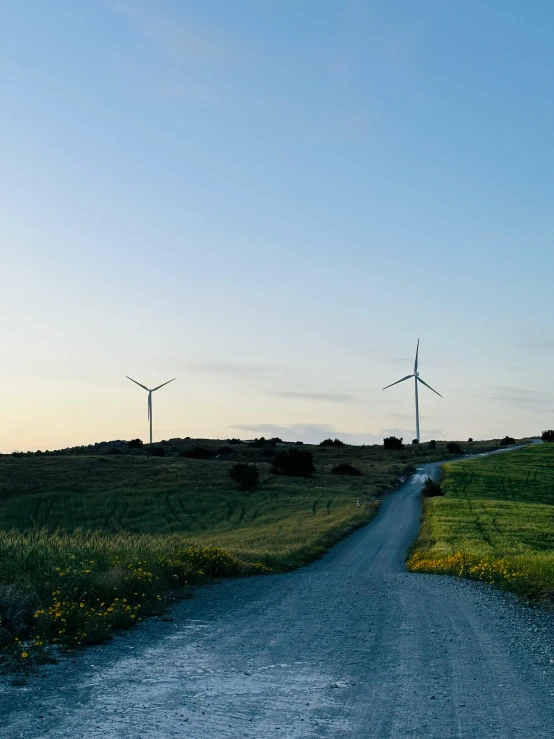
(352, 646)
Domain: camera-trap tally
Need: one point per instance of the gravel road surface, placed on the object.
(352, 646)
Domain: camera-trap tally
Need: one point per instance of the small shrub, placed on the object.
(295, 463)
(299, 443)
(157, 451)
(346, 469)
(415, 441)
(245, 475)
(17, 604)
(470, 440)
(275, 440)
(332, 442)
(507, 441)
(234, 441)
(135, 444)
(198, 452)
(431, 489)
(548, 435)
(391, 442)
(432, 444)
(454, 448)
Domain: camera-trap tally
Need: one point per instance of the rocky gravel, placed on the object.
(352, 646)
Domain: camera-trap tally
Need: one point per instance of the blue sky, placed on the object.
(271, 200)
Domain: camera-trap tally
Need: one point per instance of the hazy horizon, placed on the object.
(271, 202)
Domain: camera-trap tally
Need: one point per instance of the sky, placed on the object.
(272, 200)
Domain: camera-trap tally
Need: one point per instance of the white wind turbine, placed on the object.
(417, 379)
(150, 391)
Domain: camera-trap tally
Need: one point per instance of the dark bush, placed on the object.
(470, 440)
(268, 451)
(135, 444)
(198, 452)
(346, 469)
(224, 450)
(157, 451)
(548, 435)
(507, 441)
(433, 444)
(295, 463)
(234, 441)
(454, 448)
(114, 450)
(415, 441)
(245, 475)
(332, 442)
(299, 443)
(257, 443)
(391, 442)
(275, 440)
(431, 489)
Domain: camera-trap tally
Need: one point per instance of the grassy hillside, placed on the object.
(285, 521)
(495, 522)
(92, 539)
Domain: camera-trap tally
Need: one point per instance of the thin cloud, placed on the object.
(313, 433)
(182, 60)
(324, 397)
(547, 345)
(234, 370)
(180, 41)
(310, 433)
(522, 397)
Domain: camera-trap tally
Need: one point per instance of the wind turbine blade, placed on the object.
(429, 386)
(396, 383)
(136, 383)
(416, 353)
(165, 383)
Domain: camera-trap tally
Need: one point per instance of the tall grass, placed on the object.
(75, 589)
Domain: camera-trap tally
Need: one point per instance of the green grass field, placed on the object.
(90, 542)
(495, 522)
(286, 522)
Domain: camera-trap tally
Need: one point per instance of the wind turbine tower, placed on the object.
(150, 391)
(417, 379)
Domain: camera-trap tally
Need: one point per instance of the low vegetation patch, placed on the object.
(507, 441)
(60, 591)
(346, 469)
(431, 489)
(495, 522)
(199, 452)
(454, 448)
(493, 571)
(392, 442)
(294, 463)
(245, 475)
(91, 541)
(331, 442)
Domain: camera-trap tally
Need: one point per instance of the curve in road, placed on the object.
(351, 647)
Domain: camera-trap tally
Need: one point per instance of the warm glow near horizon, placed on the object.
(274, 218)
